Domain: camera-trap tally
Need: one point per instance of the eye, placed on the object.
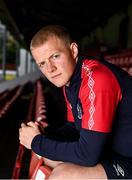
(55, 56)
(41, 64)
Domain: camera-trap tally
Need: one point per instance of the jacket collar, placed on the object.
(76, 77)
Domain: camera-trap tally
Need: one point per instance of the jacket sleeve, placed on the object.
(83, 151)
(67, 132)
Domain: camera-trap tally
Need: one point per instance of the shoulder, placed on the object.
(94, 72)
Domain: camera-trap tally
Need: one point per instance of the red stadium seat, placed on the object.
(130, 71)
(37, 168)
(35, 162)
(43, 172)
(18, 164)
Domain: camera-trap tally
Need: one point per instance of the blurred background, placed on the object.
(99, 28)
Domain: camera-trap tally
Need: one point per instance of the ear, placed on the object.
(74, 49)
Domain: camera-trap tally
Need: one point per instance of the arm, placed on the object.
(88, 149)
(83, 151)
(67, 132)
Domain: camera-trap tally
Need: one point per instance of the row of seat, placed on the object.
(40, 115)
(21, 149)
(13, 110)
(37, 113)
(37, 169)
(122, 59)
(7, 100)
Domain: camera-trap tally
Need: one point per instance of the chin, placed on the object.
(60, 84)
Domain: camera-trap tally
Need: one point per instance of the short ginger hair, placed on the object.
(50, 31)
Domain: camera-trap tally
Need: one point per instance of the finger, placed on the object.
(37, 123)
(43, 124)
(32, 124)
(23, 125)
(20, 130)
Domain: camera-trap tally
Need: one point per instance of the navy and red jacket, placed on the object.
(99, 102)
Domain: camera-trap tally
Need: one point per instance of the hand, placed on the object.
(27, 133)
(42, 125)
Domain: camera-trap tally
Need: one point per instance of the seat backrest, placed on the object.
(35, 162)
(18, 163)
(42, 173)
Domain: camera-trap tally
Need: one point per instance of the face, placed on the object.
(56, 60)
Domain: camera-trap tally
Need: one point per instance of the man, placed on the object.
(99, 99)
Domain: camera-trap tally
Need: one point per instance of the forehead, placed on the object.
(51, 46)
(52, 43)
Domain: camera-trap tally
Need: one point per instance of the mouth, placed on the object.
(56, 76)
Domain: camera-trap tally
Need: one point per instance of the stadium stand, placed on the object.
(12, 114)
(122, 59)
(35, 113)
(22, 150)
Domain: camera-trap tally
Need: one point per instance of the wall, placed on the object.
(20, 80)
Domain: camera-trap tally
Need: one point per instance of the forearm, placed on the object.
(83, 152)
(67, 132)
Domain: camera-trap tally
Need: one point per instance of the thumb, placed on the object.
(32, 124)
(23, 125)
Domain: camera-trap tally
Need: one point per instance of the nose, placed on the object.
(50, 67)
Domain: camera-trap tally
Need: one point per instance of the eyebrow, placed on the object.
(48, 58)
(40, 62)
